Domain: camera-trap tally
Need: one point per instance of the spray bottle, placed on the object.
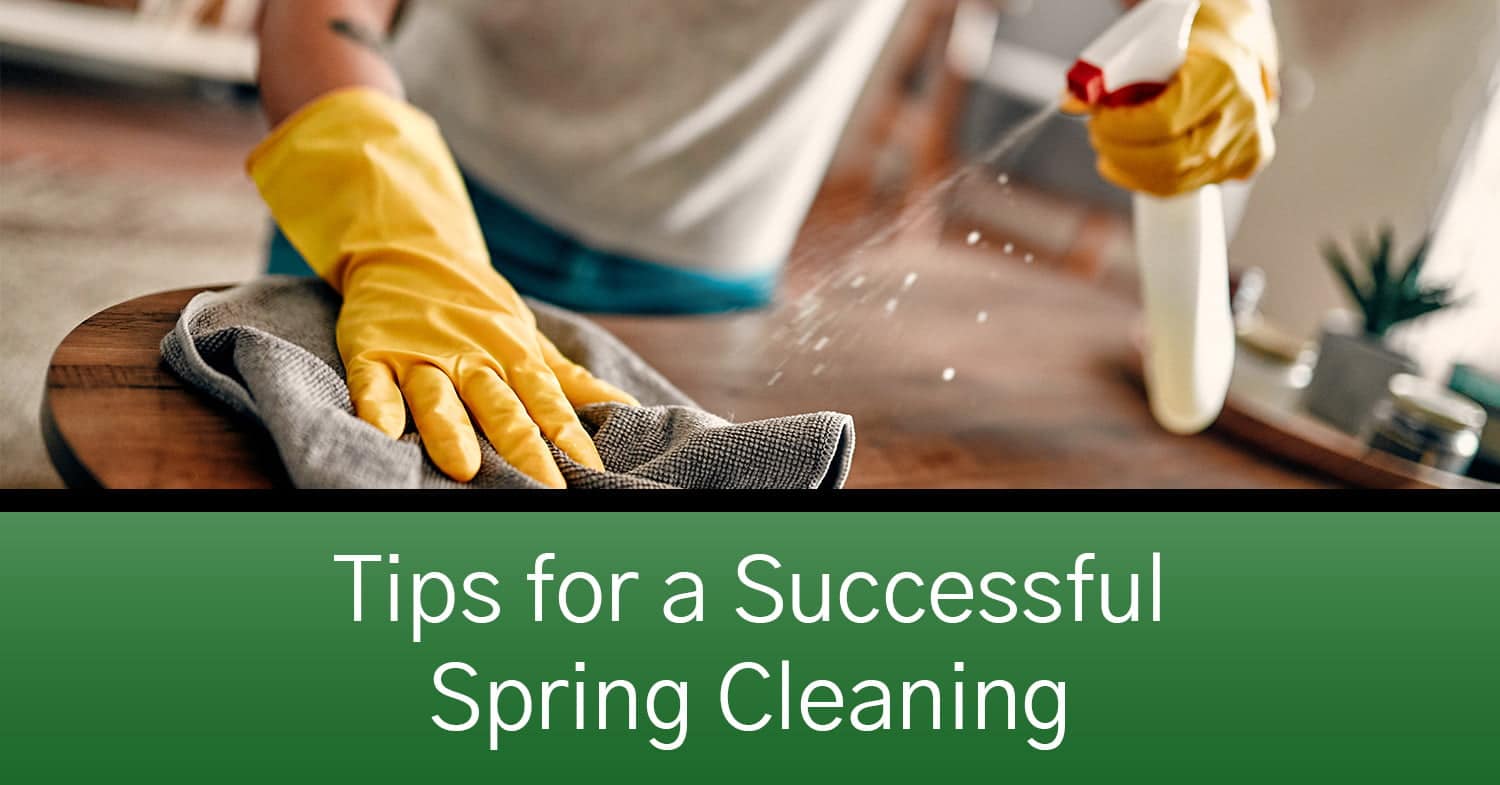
(1180, 241)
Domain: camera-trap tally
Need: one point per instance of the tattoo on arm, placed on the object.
(359, 34)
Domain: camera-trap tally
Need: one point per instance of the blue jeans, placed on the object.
(541, 262)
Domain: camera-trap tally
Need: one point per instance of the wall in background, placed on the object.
(1468, 250)
(1384, 97)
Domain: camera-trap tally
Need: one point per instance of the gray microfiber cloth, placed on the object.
(267, 350)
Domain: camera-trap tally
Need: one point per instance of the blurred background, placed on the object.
(124, 125)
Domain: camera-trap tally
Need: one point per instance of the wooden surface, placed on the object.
(1040, 394)
(1309, 442)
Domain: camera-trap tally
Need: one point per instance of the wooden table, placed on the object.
(978, 372)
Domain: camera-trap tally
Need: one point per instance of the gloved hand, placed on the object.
(1213, 123)
(365, 188)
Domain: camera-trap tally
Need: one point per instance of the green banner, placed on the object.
(750, 647)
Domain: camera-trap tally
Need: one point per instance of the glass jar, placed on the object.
(1484, 388)
(1427, 424)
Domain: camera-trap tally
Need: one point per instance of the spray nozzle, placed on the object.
(1135, 59)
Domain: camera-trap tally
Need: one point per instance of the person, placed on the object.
(434, 160)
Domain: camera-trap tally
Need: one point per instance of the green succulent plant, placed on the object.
(1388, 296)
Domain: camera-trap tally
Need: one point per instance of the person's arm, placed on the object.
(313, 47)
(364, 186)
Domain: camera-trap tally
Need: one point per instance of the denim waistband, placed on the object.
(541, 262)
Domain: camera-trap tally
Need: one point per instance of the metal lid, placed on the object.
(1435, 405)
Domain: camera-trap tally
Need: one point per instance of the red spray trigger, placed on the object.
(1086, 83)
(1137, 57)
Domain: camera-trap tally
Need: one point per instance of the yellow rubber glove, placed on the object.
(365, 188)
(1213, 123)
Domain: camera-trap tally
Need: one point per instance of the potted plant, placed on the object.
(1356, 362)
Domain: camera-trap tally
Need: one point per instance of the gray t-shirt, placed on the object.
(693, 133)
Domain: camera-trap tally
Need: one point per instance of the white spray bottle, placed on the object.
(1180, 242)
